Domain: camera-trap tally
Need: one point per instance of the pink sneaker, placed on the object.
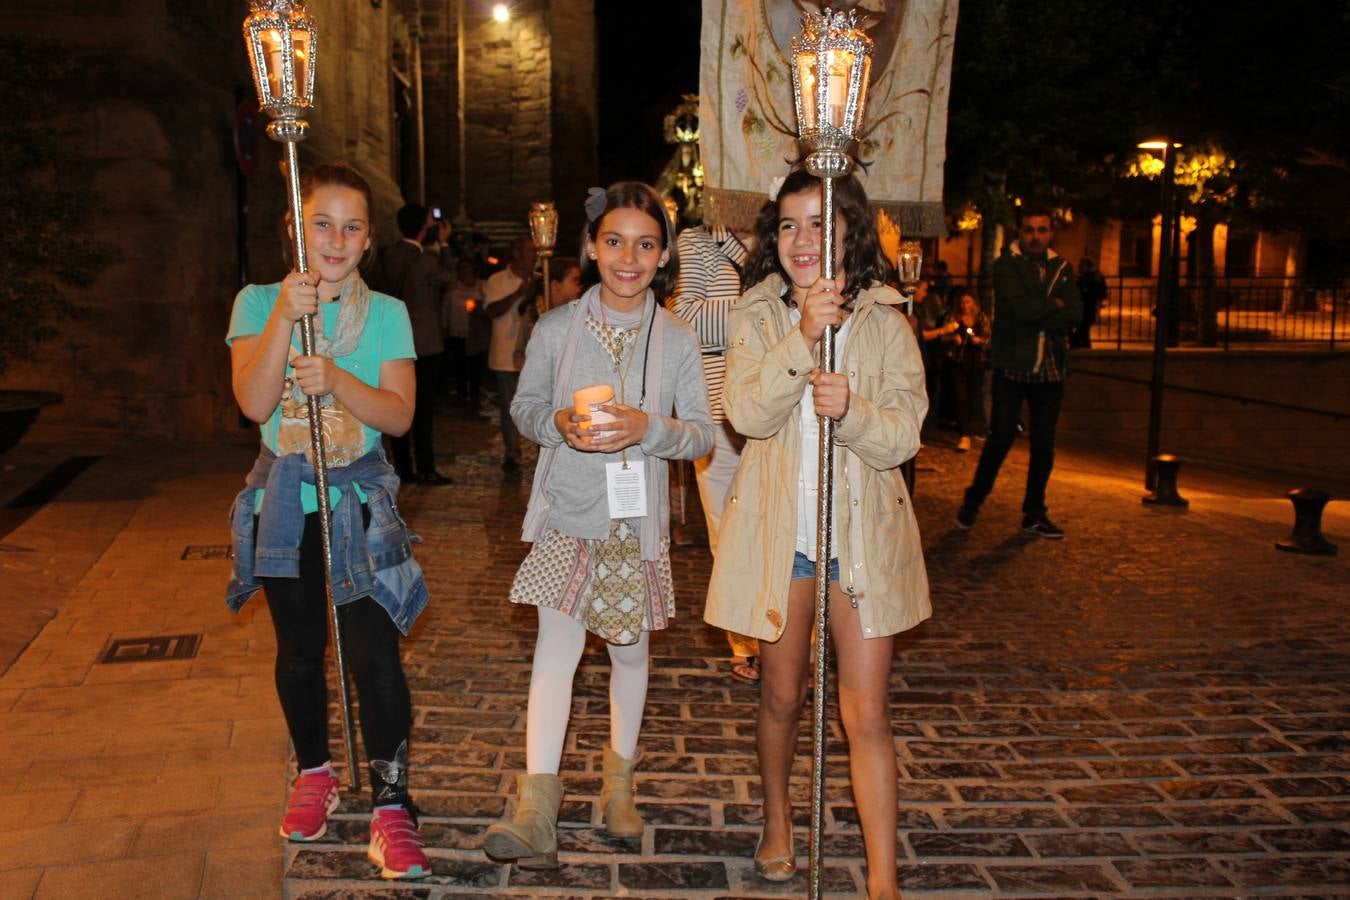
(312, 798)
(395, 845)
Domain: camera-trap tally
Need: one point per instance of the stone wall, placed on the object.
(1099, 406)
(150, 109)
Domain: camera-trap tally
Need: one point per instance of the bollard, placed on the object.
(1307, 534)
(1165, 493)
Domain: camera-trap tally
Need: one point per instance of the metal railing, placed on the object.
(1231, 312)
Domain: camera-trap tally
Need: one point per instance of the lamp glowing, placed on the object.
(501, 12)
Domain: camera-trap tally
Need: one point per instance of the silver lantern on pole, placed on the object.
(544, 233)
(831, 59)
(282, 41)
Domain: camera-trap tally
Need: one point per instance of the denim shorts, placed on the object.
(805, 568)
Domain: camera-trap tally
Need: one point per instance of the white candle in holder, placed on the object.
(588, 401)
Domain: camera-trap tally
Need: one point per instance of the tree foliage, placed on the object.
(1048, 102)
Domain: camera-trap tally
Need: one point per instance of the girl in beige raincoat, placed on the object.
(763, 579)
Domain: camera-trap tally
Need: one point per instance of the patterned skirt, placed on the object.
(605, 585)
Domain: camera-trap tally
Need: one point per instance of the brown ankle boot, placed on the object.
(616, 796)
(530, 837)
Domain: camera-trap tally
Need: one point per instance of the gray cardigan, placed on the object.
(576, 489)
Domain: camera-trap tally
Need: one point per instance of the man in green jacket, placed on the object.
(1036, 306)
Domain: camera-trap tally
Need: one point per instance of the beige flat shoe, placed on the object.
(779, 868)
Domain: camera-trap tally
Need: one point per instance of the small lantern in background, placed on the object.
(909, 262)
(543, 221)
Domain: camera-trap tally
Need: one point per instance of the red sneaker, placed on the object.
(395, 845)
(312, 798)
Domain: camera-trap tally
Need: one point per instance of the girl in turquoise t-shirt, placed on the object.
(363, 371)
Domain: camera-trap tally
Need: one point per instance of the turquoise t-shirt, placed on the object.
(387, 335)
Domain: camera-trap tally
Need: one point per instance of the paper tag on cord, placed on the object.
(627, 488)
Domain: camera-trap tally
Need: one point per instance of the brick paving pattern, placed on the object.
(1158, 706)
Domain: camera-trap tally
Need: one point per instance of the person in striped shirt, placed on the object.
(709, 282)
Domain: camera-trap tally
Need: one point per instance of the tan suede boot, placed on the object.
(530, 837)
(616, 796)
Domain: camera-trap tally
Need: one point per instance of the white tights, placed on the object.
(556, 654)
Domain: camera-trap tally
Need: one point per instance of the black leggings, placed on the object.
(371, 640)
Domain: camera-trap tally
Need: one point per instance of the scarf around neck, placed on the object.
(653, 526)
(353, 306)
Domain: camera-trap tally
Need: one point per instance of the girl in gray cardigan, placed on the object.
(599, 510)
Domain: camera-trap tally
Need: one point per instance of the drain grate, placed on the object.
(208, 551)
(152, 649)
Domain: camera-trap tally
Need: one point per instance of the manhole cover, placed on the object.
(208, 551)
(151, 649)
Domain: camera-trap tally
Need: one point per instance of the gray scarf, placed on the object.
(353, 305)
(654, 525)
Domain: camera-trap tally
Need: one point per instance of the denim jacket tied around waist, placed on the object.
(375, 561)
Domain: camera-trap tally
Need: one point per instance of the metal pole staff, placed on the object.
(282, 40)
(321, 481)
(824, 544)
(829, 71)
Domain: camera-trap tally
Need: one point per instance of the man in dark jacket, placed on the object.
(418, 278)
(1036, 305)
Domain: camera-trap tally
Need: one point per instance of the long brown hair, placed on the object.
(863, 261)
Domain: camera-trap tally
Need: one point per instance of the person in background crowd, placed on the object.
(509, 295)
(710, 281)
(1092, 288)
(963, 362)
(463, 300)
(931, 309)
(419, 276)
(1036, 305)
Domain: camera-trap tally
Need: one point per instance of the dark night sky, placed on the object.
(648, 57)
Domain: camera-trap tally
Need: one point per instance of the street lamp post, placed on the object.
(830, 63)
(544, 233)
(1162, 322)
(282, 41)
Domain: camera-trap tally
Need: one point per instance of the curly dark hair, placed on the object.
(642, 197)
(863, 262)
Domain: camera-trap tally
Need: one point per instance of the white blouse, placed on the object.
(808, 473)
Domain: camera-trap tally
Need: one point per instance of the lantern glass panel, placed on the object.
(300, 40)
(862, 91)
(271, 45)
(806, 73)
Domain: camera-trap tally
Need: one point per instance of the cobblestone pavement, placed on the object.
(1158, 706)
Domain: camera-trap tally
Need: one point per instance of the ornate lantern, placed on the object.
(282, 40)
(831, 59)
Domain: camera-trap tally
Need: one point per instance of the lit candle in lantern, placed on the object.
(839, 64)
(588, 400)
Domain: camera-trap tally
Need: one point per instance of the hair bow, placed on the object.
(596, 199)
(775, 185)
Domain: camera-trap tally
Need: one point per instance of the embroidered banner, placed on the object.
(748, 124)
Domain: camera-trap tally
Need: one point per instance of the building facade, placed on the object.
(432, 100)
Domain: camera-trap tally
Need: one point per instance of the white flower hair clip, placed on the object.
(775, 185)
